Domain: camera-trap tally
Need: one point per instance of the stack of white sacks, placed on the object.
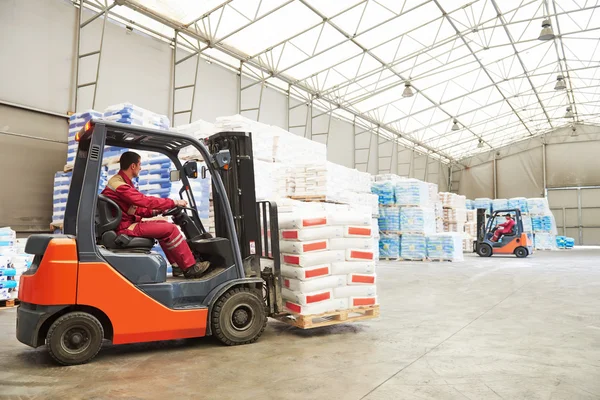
(13, 263)
(543, 224)
(62, 181)
(328, 258)
(76, 124)
(470, 230)
(446, 246)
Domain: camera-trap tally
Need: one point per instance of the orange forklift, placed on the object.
(517, 242)
(90, 284)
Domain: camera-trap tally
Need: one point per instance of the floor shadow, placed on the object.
(282, 328)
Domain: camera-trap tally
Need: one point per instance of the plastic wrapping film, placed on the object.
(445, 246)
(417, 220)
(13, 263)
(564, 242)
(484, 203)
(198, 129)
(519, 203)
(452, 200)
(411, 192)
(543, 224)
(527, 224)
(385, 192)
(544, 241)
(127, 113)
(469, 204)
(538, 206)
(413, 247)
(389, 246)
(500, 204)
(389, 219)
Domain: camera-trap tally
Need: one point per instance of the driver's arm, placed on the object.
(144, 205)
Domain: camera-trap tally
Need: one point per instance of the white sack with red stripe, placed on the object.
(360, 279)
(305, 234)
(317, 308)
(362, 301)
(355, 291)
(312, 285)
(307, 298)
(303, 274)
(310, 259)
(296, 221)
(358, 231)
(351, 243)
(349, 218)
(359, 255)
(349, 267)
(291, 247)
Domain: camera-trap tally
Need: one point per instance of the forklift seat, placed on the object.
(108, 217)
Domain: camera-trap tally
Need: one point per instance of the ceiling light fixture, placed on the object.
(455, 126)
(574, 130)
(407, 90)
(560, 83)
(480, 144)
(569, 113)
(547, 33)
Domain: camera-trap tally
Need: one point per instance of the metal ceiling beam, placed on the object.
(369, 52)
(236, 54)
(512, 42)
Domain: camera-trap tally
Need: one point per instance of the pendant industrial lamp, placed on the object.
(560, 83)
(407, 90)
(455, 126)
(547, 32)
(569, 113)
(480, 144)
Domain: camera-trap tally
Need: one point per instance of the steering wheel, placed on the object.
(172, 211)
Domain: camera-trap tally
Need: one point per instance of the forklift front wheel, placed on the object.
(484, 250)
(239, 317)
(521, 252)
(75, 338)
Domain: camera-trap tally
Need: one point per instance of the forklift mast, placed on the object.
(480, 224)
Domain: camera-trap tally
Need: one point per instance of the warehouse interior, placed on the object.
(463, 106)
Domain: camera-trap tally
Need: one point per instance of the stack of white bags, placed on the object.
(13, 263)
(328, 258)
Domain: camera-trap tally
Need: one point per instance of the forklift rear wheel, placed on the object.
(239, 317)
(75, 338)
(484, 250)
(521, 252)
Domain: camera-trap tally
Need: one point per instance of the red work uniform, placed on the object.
(503, 229)
(136, 206)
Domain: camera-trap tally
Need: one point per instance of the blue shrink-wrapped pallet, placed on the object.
(518, 203)
(385, 191)
(417, 220)
(445, 246)
(411, 192)
(484, 203)
(389, 246)
(389, 219)
(499, 204)
(413, 247)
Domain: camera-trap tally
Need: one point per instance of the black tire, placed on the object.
(521, 252)
(75, 338)
(239, 317)
(484, 250)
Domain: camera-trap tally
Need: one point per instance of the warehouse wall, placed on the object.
(570, 161)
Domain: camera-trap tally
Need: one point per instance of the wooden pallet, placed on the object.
(389, 259)
(331, 318)
(412, 259)
(315, 199)
(9, 303)
(441, 260)
(391, 232)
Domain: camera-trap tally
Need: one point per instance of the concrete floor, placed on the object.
(497, 328)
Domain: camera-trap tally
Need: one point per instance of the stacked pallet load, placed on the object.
(564, 242)
(13, 263)
(445, 246)
(470, 234)
(500, 204)
(328, 262)
(542, 224)
(483, 202)
(519, 203)
(417, 218)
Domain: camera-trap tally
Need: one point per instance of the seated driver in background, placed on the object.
(504, 228)
(136, 206)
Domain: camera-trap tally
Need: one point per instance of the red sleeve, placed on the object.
(132, 196)
(145, 212)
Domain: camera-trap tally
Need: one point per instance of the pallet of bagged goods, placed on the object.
(328, 265)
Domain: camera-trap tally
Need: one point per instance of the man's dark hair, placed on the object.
(508, 215)
(128, 158)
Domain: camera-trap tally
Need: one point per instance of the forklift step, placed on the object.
(331, 318)
(9, 303)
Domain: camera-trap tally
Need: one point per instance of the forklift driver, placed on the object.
(503, 229)
(136, 206)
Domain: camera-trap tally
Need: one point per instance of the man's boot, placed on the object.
(177, 272)
(197, 270)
